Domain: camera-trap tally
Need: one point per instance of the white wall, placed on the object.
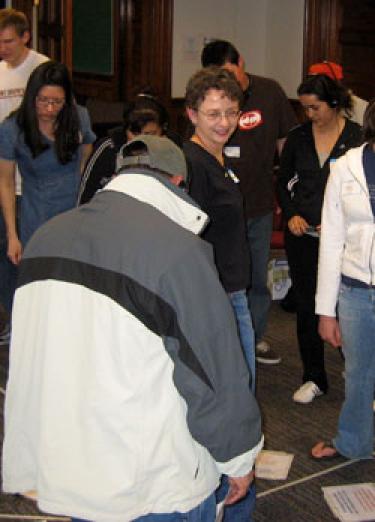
(284, 51)
(268, 34)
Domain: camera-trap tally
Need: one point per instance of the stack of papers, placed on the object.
(352, 503)
(273, 465)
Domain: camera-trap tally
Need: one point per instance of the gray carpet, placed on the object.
(295, 428)
(287, 427)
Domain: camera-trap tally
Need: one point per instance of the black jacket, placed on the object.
(302, 181)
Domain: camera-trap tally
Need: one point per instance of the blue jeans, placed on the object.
(8, 271)
(355, 433)
(241, 511)
(205, 512)
(259, 232)
(245, 330)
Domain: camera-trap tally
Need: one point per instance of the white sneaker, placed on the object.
(307, 393)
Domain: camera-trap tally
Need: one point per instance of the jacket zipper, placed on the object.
(365, 190)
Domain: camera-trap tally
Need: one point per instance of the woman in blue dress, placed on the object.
(48, 138)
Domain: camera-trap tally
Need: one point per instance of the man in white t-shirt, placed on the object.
(18, 62)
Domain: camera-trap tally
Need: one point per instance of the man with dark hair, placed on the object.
(263, 125)
(18, 62)
(126, 365)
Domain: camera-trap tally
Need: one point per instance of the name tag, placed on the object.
(350, 188)
(232, 152)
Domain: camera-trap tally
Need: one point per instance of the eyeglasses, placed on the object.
(216, 116)
(45, 102)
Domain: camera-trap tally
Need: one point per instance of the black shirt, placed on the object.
(215, 189)
(266, 117)
(301, 181)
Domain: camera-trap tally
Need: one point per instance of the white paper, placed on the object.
(353, 502)
(273, 465)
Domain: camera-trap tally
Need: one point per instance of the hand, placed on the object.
(14, 250)
(297, 225)
(238, 487)
(329, 330)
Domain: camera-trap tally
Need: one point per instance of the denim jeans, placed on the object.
(8, 271)
(259, 232)
(245, 330)
(205, 512)
(241, 511)
(355, 433)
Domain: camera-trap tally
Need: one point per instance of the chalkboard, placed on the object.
(93, 36)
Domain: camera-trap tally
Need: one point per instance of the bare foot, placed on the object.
(324, 451)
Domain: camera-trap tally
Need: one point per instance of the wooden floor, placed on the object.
(287, 427)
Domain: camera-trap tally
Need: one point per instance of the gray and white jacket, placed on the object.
(128, 392)
(347, 243)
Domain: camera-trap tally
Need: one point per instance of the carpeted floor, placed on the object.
(287, 426)
(295, 428)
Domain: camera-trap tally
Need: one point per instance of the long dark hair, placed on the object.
(67, 135)
(334, 93)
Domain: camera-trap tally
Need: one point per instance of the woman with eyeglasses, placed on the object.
(48, 138)
(213, 100)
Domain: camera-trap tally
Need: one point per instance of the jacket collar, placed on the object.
(354, 160)
(155, 190)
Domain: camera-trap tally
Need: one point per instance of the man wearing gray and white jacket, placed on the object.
(128, 393)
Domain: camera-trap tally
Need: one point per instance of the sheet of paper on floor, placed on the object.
(273, 465)
(352, 502)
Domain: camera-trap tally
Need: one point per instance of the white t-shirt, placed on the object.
(13, 81)
(359, 107)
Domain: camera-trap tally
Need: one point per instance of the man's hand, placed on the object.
(329, 330)
(297, 225)
(238, 487)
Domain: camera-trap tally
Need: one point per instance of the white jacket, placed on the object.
(347, 244)
(128, 391)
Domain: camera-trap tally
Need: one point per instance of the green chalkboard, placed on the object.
(93, 36)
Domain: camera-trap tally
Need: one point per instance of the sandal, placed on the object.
(324, 451)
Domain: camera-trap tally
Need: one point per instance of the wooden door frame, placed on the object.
(323, 19)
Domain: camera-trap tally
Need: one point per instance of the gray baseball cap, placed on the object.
(157, 152)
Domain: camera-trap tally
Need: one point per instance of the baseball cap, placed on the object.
(157, 152)
(331, 69)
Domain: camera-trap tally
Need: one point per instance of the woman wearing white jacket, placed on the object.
(346, 278)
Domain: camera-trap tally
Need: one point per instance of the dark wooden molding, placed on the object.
(148, 47)
(323, 20)
(67, 43)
